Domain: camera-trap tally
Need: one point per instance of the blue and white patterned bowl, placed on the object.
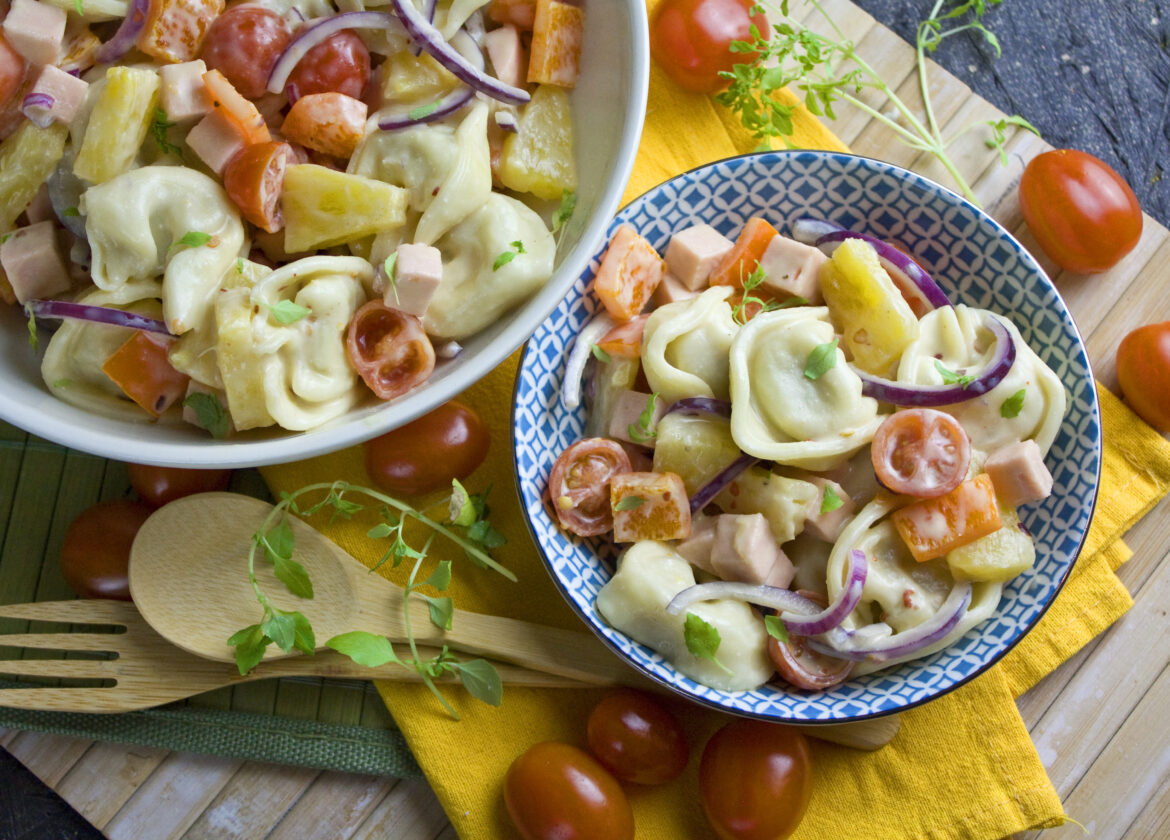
(976, 261)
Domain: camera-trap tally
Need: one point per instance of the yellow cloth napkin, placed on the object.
(961, 766)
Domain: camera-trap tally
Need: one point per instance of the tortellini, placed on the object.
(780, 414)
(135, 223)
(957, 338)
(685, 346)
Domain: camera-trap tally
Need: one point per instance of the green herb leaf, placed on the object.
(293, 575)
(600, 354)
(830, 501)
(390, 269)
(1010, 407)
(821, 360)
(949, 377)
(629, 503)
(440, 578)
(279, 541)
(422, 111)
(563, 213)
(484, 533)
(442, 611)
(481, 679)
(239, 265)
(776, 628)
(702, 638)
(78, 7)
(461, 509)
(62, 383)
(209, 413)
(250, 644)
(304, 639)
(193, 239)
(644, 431)
(364, 648)
(507, 256)
(32, 326)
(380, 531)
(281, 628)
(158, 130)
(287, 312)
(70, 211)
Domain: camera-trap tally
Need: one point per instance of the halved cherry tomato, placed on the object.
(625, 340)
(755, 780)
(389, 349)
(803, 667)
(244, 43)
(238, 109)
(332, 123)
(578, 486)
(691, 39)
(140, 367)
(95, 556)
(636, 738)
(157, 486)
(253, 180)
(921, 452)
(1083, 214)
(1143, 370)
(555, 791)
(425, 454)
(340, 63)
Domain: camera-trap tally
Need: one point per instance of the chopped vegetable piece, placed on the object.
(141, 369)
(175, 29)
(624, 340)
(933, 527)
(118, 123)
(236, 108)
(538, 158)
(323, 207)
(664, 513)
(739, 263)
(630, 272)
(556, 43)
(997, 557)
(332, 123)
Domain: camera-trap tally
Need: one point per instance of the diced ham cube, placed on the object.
(35, 30)
(40, 209)
(32, 261)
(625, 424)
(1019, 474)
(792, 268)
(696, 549)
(671, 290)
(66, 91)
(693, 254)
(216, 140)
(745, 551)
(417, 273)
(824, 524)
(182, 95)
(507, 55)
(649, 506)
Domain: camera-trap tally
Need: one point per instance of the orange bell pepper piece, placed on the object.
(933, 527)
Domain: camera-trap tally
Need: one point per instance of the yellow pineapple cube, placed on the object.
(118, 123)
(27, 157)
(538, 158)
(997, 557)
(409, 78)
(323, 207)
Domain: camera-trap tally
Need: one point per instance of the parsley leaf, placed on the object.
(821, 360)
(563, 213)
(209, 413)
(364, 648)
(442, 611)
(776, 628)
(481, 679)
(949, 377)
(643, 430)
(507, 256)
(287, 312)
(32, 326)
(70, 211)
(600, 354)
(158, 129)
(1010, 407)
(250, 644)
(422, 111)
(702, 639)
(629, 503)
(830, 501)
(193, 239)
(390, 269)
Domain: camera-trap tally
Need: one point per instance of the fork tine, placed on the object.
(81, 611)
(82, 669)
(63, 641)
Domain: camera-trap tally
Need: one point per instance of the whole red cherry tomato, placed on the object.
(159, 485)
(1143, 369)
(691, 39)
(555, 791)
(253, 180)
(95, 556)
(244, 43)
(339, 64)
(636, 738)
(921, 452)
(755, 780)
(389, 349)
(578, 486)
(1083, 214)
(427, 453)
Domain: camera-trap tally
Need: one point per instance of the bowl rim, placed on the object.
(983, 667)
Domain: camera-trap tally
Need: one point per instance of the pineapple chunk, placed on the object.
(408, 78)
(538, 158)
(999, 556)
(27, 157)
(867, 308)
(118, 123)
(323, 207)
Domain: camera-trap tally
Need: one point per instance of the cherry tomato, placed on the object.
(1083, 214)
(95, 555)
(555, 791)
(755, 780)
(389, 349)
(427, 453)
(12, 70)
(691, 39)
(244, 43)
(1143, 369)
(578, 486)
(921, 452)
(331, 123)
(253, 180)
(339, 64)
(637, 739)
(803, 667)
(157, 486)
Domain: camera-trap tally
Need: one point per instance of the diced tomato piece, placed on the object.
(933, 527)
(742, 260)
(649, 506)
(332, 123)
(140, 367)
(253, 180)
(236, 107)
(625, 340)
(175, 29)
(12, 70)
(556, 43)
(519, 13)
(630, 272)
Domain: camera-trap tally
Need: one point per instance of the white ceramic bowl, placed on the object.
(609, 103)
(975, 261)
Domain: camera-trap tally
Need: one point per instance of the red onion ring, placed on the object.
(702, 405)
(728, 474)
(96, 314)
(126, 35)
(37, 107)
(847, 600)
(315, 33)
(932, 396)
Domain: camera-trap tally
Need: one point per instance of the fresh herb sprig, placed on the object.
(291, 630)
(827, 69)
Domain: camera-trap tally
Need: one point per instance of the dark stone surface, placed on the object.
(31, 811)
(1089, 74)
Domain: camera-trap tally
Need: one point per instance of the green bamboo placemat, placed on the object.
(328, 724)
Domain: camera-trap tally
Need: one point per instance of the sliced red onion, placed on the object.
(506, 120)
(313, 34)
(808, 230)
(424, 33)
(448, 349)
(96, 314)
(728, 474)
(428, 9)
(394, 117)
(38, 108)
(931, 396)
(579, 355)
(847, 600)
(773, 597)
(127, 34)
(701, 405)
